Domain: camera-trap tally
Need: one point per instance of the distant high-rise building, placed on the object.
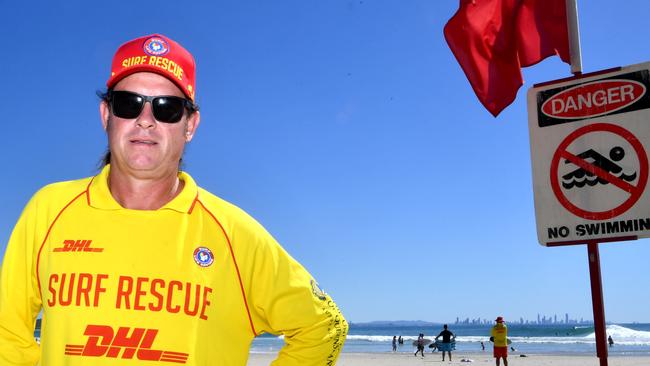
(566, 318)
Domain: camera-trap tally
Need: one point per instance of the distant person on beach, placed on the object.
(499, 335)
(447, 337)
(482, 346)
(610, 341)
(139, 265)
(420, 345)
(394, 343)
(400, 340)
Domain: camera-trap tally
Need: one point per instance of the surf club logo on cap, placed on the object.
(203, 256)
(158, 54)
(156, 46)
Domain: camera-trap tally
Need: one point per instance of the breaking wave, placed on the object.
(620, 334)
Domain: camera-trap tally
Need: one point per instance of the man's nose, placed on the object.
(146, 118)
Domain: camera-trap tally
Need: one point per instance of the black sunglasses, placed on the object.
(166, 108)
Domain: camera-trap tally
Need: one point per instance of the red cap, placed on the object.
(499, 319)
(155, 53)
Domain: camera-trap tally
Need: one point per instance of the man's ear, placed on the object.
(104, 113)
(193, 122)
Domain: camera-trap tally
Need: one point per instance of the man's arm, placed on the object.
(294, 305)
(20, 300)
(285, 299)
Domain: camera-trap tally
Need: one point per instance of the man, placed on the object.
(445, 345)
(499, 335)
(139, 265)
(420, 345)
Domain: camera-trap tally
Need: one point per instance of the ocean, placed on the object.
(629, 339)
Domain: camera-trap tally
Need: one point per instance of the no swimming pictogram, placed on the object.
(590, 168)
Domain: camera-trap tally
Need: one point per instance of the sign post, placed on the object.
(597, 302)
(589, 137)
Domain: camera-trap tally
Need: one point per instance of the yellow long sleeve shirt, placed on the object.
(190, 283)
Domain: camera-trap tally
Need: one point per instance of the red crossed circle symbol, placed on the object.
(634, 191)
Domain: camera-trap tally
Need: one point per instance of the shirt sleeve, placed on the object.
(286, 300)
(20, 299)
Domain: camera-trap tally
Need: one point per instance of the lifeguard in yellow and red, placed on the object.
(140, 265)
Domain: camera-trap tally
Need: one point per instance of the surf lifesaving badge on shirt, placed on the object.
(317, 291)
(203, 256)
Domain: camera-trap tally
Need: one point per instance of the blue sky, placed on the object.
(348, 130)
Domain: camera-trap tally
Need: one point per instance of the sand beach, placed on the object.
(485, 358)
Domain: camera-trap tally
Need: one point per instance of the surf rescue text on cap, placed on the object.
(155, 53)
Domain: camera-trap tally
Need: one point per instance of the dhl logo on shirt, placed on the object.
(77, 246)
(103, 341)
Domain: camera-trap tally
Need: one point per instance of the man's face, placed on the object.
(143, 147)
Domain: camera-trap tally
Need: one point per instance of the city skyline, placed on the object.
(540, 320)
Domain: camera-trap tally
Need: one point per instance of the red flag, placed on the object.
(493, 39)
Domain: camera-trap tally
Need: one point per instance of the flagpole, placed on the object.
(574, 36)
(592, 246)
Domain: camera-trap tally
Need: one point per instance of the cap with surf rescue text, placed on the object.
(155, 53)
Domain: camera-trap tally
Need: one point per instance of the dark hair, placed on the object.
(106, 158)
(104, 96)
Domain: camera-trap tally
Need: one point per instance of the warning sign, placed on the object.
(589, 138)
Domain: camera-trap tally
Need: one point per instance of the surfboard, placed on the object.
(440, 345)
(426, 341)
(508, 341)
